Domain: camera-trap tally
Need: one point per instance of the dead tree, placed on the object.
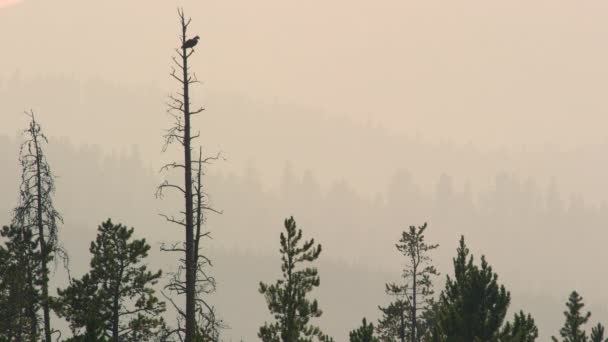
(36, 212)
(198, 318)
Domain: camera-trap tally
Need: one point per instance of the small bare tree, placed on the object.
(198, 319)
(36, 211)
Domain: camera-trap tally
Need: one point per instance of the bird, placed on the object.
(190, 43)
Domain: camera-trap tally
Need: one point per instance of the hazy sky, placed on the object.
(489, 72)
(487, 75)
(358, 90)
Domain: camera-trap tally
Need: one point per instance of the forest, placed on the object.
(130, 288)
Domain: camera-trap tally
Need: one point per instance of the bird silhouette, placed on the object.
(190, 43)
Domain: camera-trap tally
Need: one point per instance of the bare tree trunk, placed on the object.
(199, 207)
(196, 281)
(115, 307)
(402, 327)
(30, 307)
(414, 290)
(43, 248)
(190, 259)
(115, 319)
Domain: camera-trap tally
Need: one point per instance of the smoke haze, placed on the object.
(359, 118)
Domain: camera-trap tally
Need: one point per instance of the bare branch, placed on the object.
(173, 220)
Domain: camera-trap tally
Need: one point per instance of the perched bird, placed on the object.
(190, 43)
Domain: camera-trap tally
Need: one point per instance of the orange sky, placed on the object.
(5, 3)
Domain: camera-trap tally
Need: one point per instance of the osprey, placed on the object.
(190, 43)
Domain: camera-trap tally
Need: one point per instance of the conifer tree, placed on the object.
(597, 334)
(83, 307)
(394, 323)
(19, 297)
(365, 333)
(473, 305)
(287, 298)
(36, 211)
(414, 296)
(572, 331)
(523, 329)
(116, 299)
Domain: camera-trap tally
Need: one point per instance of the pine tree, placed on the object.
(597, 334)
(572, 331)
(365, 333)
(287, 298)
(36, 212)
(84, 308)
(19, 297)
(472, 306)
(523, 329)
(115, 300)
(394, 323)
(414, 297)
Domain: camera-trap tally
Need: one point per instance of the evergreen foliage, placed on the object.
(597, 334)
(572, 331)
(523, 329)
(19, 296)
(365, 333)
(83, 307)
(473, 305)
(115, 300)
(394, 324)
(287, 298)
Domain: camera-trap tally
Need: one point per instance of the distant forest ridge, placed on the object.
(365, 154)
(512, 214)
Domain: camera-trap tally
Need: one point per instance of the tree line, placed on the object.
(118, 299)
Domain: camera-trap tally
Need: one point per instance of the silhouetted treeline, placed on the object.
(116, 300)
